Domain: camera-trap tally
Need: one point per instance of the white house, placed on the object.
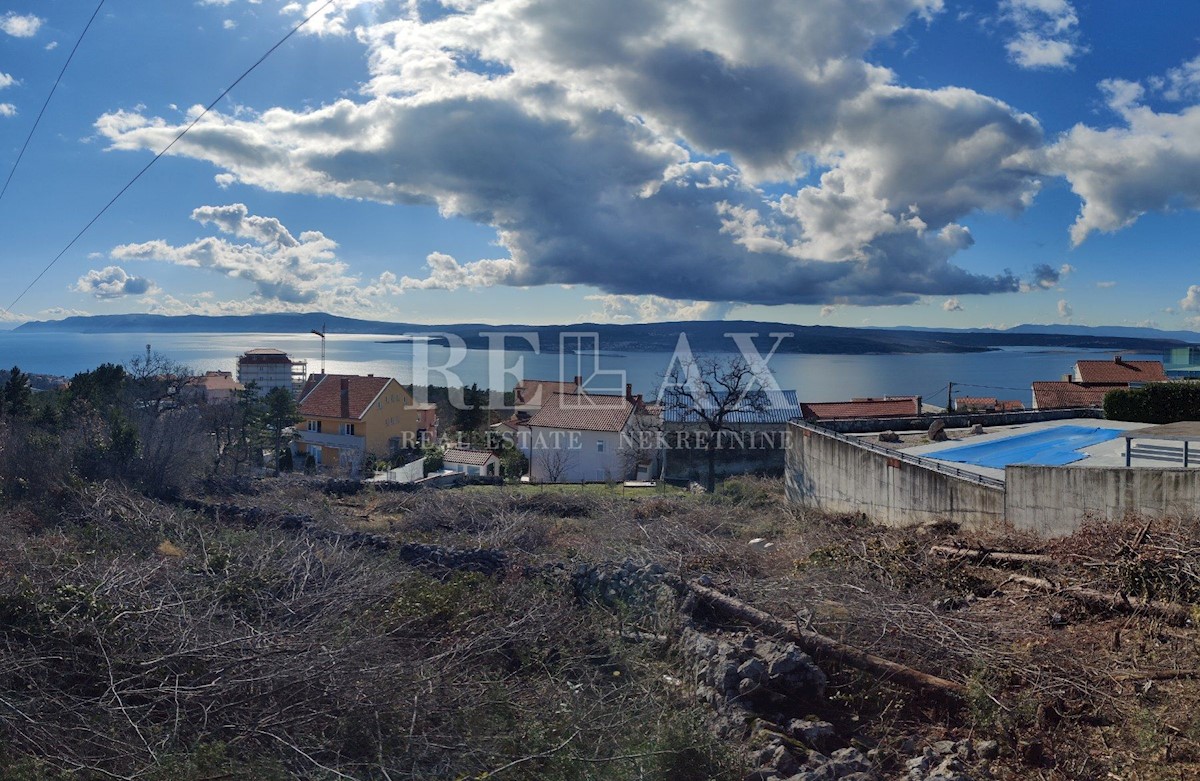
(470, 461)
(584, 437)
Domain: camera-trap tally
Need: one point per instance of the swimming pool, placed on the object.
(1052, 446)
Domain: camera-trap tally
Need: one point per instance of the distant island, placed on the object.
(703, 336)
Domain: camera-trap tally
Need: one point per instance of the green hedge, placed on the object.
(1163, 402)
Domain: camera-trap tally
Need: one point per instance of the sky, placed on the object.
(936, 163)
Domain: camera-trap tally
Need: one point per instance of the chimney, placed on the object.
(629, 390)
(345, 394)
(1068, 378)
(1117, 359)
(579, 381)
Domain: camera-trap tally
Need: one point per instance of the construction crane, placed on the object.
(321, 334)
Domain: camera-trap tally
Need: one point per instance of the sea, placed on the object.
(1005, 373)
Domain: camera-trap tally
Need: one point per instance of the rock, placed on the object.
(937, 431)
(845, 761)
(752, 670)
(819, 735)
(889, 436)
(943, 747)
(965, 750)
(977, 428)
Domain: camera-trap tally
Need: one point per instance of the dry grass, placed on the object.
(1057, 685)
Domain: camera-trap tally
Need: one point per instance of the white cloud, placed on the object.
(229, 24)
(6, 80)
(1046, 33)
(558, 125)
(112, 282)
(1150, 163)
(281, 266)
(288, 272)
(1181, 83)
(1064, 309)
(446, 273)
(1191, 302)
(952, 305)
(51, 46)
(7, 110)
(652, 309)
(828, 310)
(1106, 284)
(20, 26)
(59, 312)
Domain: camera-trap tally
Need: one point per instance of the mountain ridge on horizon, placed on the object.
(703, 335)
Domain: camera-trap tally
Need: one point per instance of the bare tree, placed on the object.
(556, 462)
(710, 393)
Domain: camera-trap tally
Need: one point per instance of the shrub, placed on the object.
(1163, 402)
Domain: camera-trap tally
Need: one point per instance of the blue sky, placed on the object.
(840, 162)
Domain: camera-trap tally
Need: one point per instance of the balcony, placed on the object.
(344, 441)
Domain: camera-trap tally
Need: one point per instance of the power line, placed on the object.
(166, 149)
(38, 121)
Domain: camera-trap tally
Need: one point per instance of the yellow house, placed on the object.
(347, 416)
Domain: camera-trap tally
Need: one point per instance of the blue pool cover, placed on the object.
(1048, 447)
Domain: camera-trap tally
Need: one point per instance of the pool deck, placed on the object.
(1147, 453)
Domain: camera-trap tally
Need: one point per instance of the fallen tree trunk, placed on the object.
(823, 647)
(989, 556)
(1156, 675)
(1171, 612)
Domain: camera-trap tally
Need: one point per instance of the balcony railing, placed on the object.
(345, 441)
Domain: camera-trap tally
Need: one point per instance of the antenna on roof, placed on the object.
(321, 334)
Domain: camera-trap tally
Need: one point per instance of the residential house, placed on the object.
(470, 461)
(1118, 371)
(885, 407)
(427, 422)
(986, 404)
(267, 368)
(347, 417)
(211, 388)
(762, 411)
(1090, 381)
(584, 437)
(1068, 394)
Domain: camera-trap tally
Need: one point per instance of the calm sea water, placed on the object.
(1004, 373)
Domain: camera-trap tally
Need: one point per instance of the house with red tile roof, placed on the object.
(212, 387)
(1092, 380)
(1066, 394)
(585, 437)
(885, 407)
(346, 417)
(1119, 371)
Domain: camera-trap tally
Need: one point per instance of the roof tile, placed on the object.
(1120, 371)
(583, 412)
(324, 398)
(888, 407)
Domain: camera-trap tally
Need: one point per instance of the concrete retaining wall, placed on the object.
(921, 423)
(838, 475)
(1053, 500)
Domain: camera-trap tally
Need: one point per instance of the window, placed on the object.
(314, 425)
(599, 445)
(346, 428)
